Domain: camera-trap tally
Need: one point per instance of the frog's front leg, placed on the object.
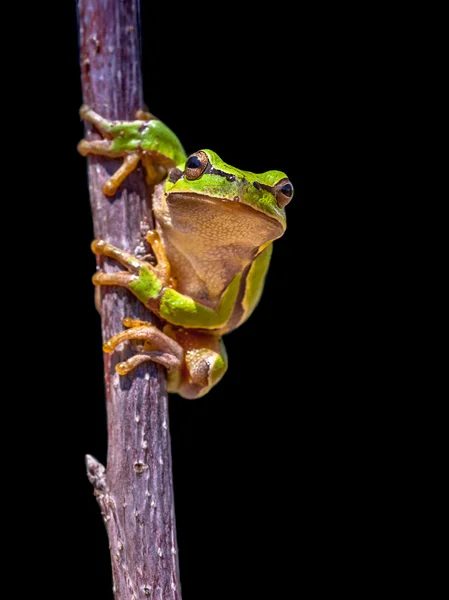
(145, 139)
(153, 287)
(110, 148)
(144, 280)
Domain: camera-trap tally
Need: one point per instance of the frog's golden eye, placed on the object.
(196, 164)
(284, 192)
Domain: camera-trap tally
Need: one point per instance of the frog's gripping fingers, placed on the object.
(103, 148)
(131, 262)
(130, 162)
(98, 147)
(126, 259)
(154, 172)
(129, 147)
(100, 122)
(129, 322)
(122, 278)
(163, 264)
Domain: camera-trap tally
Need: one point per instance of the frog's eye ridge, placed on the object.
(196, 164)
(284, 192)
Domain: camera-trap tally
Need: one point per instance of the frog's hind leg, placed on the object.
(195, 360)
(205, 362)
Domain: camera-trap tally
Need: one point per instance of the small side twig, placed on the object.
(135, 491)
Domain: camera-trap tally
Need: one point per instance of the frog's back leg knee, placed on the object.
(204, 365)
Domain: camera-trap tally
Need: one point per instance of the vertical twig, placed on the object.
(135, 492)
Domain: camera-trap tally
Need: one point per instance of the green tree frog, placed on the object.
(215, 225)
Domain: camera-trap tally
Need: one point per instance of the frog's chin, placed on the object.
(231, 217)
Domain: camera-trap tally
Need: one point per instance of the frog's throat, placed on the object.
(211, 241)
(266, 227)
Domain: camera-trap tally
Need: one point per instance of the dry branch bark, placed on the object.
(135, 492)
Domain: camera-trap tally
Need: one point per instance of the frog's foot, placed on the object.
(123, 139)
(195, 361)
(157, 347)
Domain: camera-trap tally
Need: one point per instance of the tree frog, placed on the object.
(215, 225)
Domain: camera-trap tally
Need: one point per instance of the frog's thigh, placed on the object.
(205, 362)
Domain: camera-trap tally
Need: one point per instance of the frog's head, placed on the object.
(207, 192)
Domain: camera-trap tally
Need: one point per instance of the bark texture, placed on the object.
(135, 491)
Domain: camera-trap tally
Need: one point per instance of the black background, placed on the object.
(269, 475)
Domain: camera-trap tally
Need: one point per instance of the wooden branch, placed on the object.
(135, 492)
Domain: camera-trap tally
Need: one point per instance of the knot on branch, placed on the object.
(96, 474)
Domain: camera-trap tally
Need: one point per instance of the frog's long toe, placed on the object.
(166, 360)
(102, 124)
(121, 278)
(98, 147)
(131, 262)
(129, 164)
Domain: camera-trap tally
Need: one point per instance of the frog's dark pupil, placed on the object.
(193, 163)
(287, 190)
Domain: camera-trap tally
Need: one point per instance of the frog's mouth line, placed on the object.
(233, 207)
